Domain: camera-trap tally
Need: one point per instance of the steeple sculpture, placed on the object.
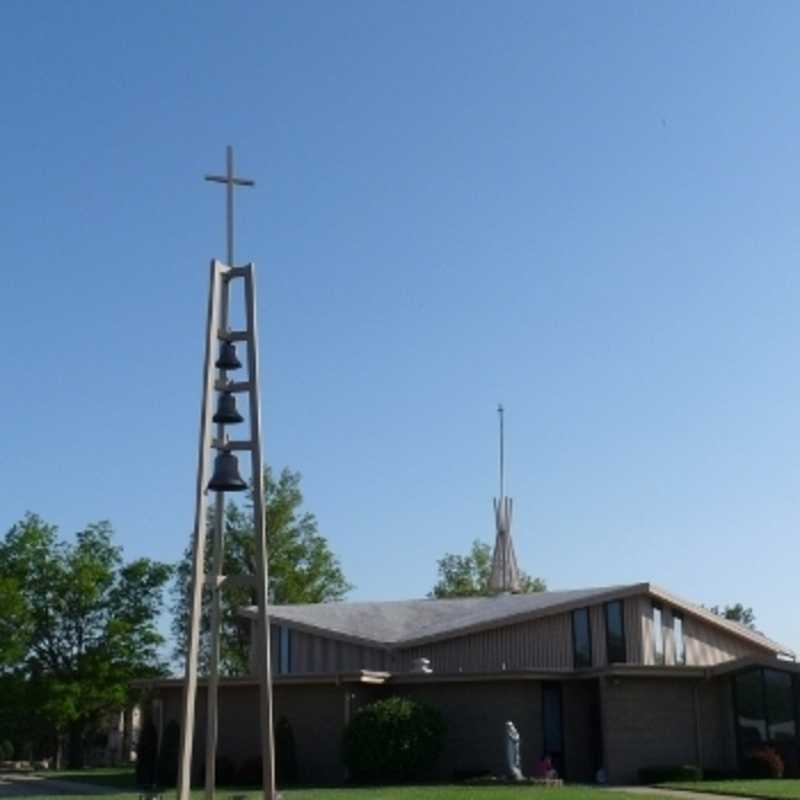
(504, 577)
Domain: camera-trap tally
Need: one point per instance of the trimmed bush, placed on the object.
(249, 772)
(146, 753)
(285, 755)
(224, 772)
(6, 750)
(763, 763)
(393, 740)
(670, 773)
(167, 768)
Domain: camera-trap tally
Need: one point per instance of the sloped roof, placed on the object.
(404, 623)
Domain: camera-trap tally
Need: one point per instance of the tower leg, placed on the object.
(262, 660)
(198, 543)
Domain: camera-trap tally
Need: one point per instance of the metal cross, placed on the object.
(231, 181)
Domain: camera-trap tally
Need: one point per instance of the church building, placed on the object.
(606, 680)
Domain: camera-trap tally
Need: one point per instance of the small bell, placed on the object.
(226, 476)
(226, 410)
(227, 357)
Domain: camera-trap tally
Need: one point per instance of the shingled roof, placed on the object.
(397, 622)
(403, 623)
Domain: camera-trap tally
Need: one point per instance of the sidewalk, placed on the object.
(652, 791)
(24, 784)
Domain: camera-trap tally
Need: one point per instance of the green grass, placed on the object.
(117, 777)
(785, 789)
(443, 792)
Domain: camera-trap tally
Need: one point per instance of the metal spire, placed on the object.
(230, 182)
(500, 411)
(504, 576)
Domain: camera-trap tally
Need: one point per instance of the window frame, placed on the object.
(658, 657)
(621, 604)
(679, 615)
(575, 664)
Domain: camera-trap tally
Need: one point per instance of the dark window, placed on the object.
(780, 707)
(677, 636)
(284, 650)
(750, 716)
(615, 633)
(766, 712)
(552, 723)
(581, 638)
(658, 635)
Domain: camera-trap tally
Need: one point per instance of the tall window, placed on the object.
(658, 635)
(677, 635)
(615, 632)
(284, 650)
(765, 709)
(581, 638)
(779, 699)
(553, 728)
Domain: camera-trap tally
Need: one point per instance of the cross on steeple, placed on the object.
(230, 182)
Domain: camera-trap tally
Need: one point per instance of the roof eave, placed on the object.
(714, 619)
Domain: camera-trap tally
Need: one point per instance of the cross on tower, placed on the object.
(231, 181)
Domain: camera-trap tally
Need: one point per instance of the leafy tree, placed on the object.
(468, 576)
(302, 569)
(15, 623)
(738, 613)
(87, 628)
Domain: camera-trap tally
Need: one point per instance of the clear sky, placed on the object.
(590, 212)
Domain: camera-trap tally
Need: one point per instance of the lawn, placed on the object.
(96, 776)
(122, 781)
(785, 789)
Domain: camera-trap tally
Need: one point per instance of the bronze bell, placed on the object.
(226, 410)
(227, 357)
(226, 477)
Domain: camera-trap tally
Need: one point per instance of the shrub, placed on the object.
(6, 750)
(763, 762)
(224, 772)
(670, 773)
(167, 768)
(249, 772)
(146, 752)
(396, 739)
(285, 755)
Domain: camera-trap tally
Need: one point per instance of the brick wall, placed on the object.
(648, 722)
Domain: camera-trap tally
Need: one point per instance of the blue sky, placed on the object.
(588, 211)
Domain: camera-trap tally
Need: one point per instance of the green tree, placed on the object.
(737, 613)
(88, 627)
(468, 575)
(302, 569)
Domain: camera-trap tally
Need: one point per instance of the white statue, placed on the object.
(513, 764)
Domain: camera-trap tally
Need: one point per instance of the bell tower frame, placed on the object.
(216, 383)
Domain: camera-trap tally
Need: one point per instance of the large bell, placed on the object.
(226, 410)
(227, 357)
(226, 477)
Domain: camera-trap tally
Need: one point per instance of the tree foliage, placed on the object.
(737, 613)
(84, 626)
(302, 568)
(468, 575)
